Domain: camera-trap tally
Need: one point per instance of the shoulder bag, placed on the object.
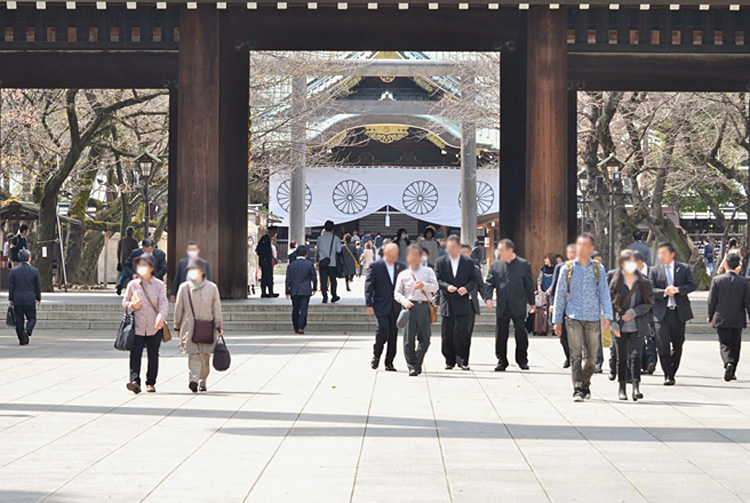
(203, 330)
(166, 335)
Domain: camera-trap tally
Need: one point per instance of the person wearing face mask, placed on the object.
(631, 303)
(402, 240)
(146, 298)
(160, 259)
(197, 299)
(193, 251)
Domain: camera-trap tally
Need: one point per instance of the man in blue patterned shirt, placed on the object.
(582, 302)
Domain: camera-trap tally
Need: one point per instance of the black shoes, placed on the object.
(390, 368)
(622, 394)
(193, 386)
(500, 368)
(374, 363)
(119, 290)
(637, 395)
(325, 300)
(464, 367)
(566, 364)
(578, 396)
(449, 367)
(669, 381)
(203, 388)
(650, 369)
(523, 367)
(728, 372)
(134, 387)
(612, 374)
(598, 369)
(413, 373)
(587, 394)
(335, 299)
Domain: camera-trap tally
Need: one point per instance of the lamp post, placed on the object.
(145, 165)
(610, 185)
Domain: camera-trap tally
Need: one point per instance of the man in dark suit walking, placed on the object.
(379, 286)
(457, 278)
(266, 259)
(671, 283)
(160, 258)
(728, 301)
(193, 251)
(301, 283)
(510, 276)
(24, 293)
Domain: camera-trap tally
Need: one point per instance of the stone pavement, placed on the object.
(304, 419)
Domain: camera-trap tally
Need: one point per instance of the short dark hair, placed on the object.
(24, 255)
(328, 226)
(301, 251)
(23, 228)
(193, 243)
(733, 261)
(637, 235)
(129, 231)
(425, 250)
(590, 237)
(669, 246)
(147, 243)
(455, 239)
(507, 243)
(466, 247)
(638, 256)
(732, 243)
(431, 229)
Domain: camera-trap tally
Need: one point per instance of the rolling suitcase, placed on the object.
(541, 321)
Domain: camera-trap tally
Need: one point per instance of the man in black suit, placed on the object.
(728, 301)
(18, 243)
(457, 278)
(160, 258)
(193, 251)
(671, 282)
(24, 293)
(510, 276)
(379, 285)
(266, 260)
(478, 292)
(301, 283)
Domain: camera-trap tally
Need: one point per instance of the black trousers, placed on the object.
(629, 346)
(564, 342)
(27, 311)
(152, 344)
(730, 341)
(386, 333)
(670, 336)
(300, 304)
(326, 274)
(266, 277)
(502, 332)
(417, 333)
(456, 339)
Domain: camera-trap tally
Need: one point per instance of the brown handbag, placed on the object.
(203, 330)
(431, 303)
(166, 334)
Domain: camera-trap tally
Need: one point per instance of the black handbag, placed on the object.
(126, 333)
(222, 358)
(10, 318)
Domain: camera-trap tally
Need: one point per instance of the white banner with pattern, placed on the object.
(343, 194)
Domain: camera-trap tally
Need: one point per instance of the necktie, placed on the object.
(670, 279)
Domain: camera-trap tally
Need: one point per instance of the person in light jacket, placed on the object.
(206, 306)
(146, 298)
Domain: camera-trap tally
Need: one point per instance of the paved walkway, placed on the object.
(303, 419)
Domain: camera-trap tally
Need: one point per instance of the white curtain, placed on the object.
(343, 194)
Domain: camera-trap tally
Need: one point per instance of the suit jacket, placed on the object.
(683, 280)
(728, 301)
(159, 256)
(453, 304)
(124, 248)
(379, 287)
(514, 286)
(181, 274)
(25, 286)
(301, 278)
(264, 249)
(643, 248)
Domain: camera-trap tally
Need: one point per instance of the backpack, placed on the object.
(569, 272)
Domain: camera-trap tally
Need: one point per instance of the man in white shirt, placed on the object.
(415, 287)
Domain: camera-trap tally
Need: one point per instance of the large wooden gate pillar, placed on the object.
(546, 134)
(212, 153)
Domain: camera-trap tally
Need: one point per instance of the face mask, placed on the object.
(142, 270)
(630, 267)
(424, 259)
(194, 274)
(192, 253)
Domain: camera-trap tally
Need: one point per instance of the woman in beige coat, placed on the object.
(207, 306)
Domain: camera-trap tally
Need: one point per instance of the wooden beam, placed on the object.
(660, 72)
(87, 70)
(212, 149)
(546, 135)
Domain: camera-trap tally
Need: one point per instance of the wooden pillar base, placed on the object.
(547, 189)
(212, 150)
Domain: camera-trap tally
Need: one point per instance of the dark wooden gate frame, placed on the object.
(548, 54)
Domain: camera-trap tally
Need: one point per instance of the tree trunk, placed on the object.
(47, 231)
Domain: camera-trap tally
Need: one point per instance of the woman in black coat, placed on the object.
(632, 301)
(349, 263)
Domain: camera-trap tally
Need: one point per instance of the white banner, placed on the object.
(343, 194)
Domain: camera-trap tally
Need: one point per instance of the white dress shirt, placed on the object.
(391, 271)
(669, 269)
(404, 290)
(454, 264)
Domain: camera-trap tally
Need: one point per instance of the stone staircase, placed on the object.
(263, 317)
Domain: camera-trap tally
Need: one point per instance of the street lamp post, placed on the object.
(611, 185)
(145, 164)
